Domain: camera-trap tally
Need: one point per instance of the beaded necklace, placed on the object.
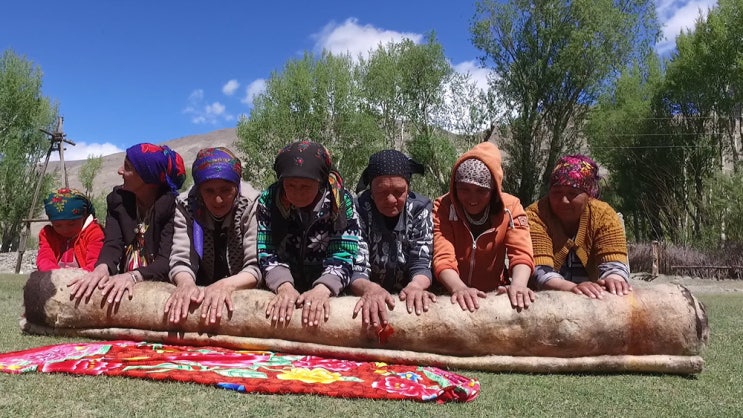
(482, 220)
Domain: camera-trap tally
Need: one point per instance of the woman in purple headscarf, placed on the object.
(578, 240)
(214, 243)
(139, 224)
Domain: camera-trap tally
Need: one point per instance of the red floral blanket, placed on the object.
(246, 371)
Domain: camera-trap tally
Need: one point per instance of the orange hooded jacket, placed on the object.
(480, 262)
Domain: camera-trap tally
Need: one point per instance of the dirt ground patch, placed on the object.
(694, 284)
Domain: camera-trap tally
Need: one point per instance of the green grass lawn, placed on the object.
(717, 391)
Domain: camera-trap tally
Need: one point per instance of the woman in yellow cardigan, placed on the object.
(578, 240)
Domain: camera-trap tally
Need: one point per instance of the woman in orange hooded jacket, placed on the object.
(476, 226)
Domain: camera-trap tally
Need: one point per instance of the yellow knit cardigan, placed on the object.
(600, 237)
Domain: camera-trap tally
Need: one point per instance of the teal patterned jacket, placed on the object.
(317, 249)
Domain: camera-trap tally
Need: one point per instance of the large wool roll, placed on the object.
(661, 324)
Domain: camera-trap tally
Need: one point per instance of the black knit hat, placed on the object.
(389, 163)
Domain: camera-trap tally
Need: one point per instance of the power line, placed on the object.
(667, 134)
(651, 146)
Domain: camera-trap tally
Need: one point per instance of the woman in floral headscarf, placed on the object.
(579, 243)
(74, 238)
(139, 224)
(308, 234)
(214, 244)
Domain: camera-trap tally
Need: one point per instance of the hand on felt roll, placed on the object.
(281, 307)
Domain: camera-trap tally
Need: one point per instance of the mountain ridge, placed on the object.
(108, 177)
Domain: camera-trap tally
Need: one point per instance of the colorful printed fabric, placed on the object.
(67, 204)
(158, 165)
(577, 171)
(246, 371)
(136, 252)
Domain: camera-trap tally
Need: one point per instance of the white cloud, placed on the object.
(350, 37)
(196, 95)
(678, 15)
(478, 75)
(230, 87)
(81, 151)
(201, 113)
(254, 89)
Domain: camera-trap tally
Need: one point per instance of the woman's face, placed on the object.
(567, 203)
(389, 194)
(68, 228)
(218, 196)
(474, 198)
(301, 192)
(132, 181)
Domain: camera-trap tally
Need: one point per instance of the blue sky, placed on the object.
(134, 71)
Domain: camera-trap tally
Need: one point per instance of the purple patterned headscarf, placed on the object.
(158, 165)
(216, 163)
(211, 164)
(578, 171)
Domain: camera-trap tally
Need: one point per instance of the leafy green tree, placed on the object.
(396, 98)
(705, 77)
(666, 137)
(551, 60)
(88, 172)
(315, 98)
(727, 225)
(415, 96)
(23, 111)
(621, 136)
(403, 85)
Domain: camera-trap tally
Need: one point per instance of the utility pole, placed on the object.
(55, 144)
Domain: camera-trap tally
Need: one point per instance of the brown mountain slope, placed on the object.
(108, 177)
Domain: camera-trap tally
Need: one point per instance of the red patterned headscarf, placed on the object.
(578, 171)
(158, 165)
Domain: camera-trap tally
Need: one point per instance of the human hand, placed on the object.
(216, 296)
(116, 286)
(590, 289)
(521, 296)
(178, 303)
(372, 305)
(315, 305)
(416, 298)
(615, 285)
(467, 298)
(282, 305)
(82, 287)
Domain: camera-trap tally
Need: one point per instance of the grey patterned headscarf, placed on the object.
(474, 171)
